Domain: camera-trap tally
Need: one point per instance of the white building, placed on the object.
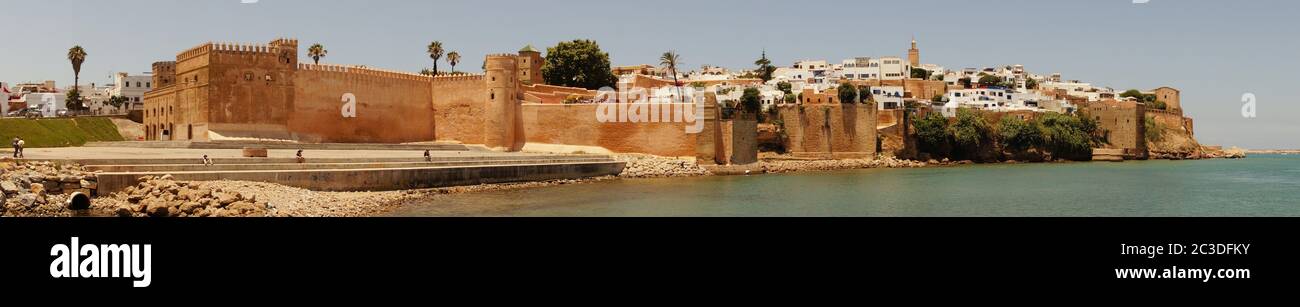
(887, 97)
(132, 87)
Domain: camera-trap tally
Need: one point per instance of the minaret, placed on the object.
(914, 55)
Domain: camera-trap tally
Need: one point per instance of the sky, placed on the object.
(1214, 51)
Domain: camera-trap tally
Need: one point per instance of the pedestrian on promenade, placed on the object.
(16, 148)
(300, 158)
(21, 144)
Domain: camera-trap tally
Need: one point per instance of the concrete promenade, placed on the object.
(329, 170)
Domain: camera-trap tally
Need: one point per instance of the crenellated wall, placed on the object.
(384, 99)
(458, 104)
(262, 91)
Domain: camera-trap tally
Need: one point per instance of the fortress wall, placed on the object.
(250, 86)
(391, 107)
(458, 106)
(576, 124)
(831, 129)
(1123, 123)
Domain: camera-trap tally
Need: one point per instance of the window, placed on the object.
(148, 84)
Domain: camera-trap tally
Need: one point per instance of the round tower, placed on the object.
(502, 110)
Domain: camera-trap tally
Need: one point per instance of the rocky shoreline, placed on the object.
(41, 189)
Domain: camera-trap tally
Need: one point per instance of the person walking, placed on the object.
(21, 144)
(428, 157)
(17, 150)
(300, 158)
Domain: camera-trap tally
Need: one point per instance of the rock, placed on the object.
(158, 209)
(26, 200)
(8, 187)
(225, 199)
(166, 177)
(39, 190)
(124, 211)
(86, 184)
(191, 207)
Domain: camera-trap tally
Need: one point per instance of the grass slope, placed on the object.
(58, 132)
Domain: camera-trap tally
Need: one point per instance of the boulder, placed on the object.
(191, 207)
(124, 211)
(9, 187)
(158, 209)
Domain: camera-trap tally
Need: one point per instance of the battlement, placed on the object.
(364, 71)
(164, 66)
(241, 48)
(458, 77)
(285, 42)
(194, 52)
(502, 55)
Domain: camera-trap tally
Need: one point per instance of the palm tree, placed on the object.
(316, 52)
(78, 56)
(671, 59)
(435, 53)
(453, 58)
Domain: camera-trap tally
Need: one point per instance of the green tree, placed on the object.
(864, 95)
(77, 56)
(117, 101)
(453, 58)
(765, 68)
(1031, 84)
(435, 52)
(791, 98)
(1018, 134)
(931, 132)
(922, 74)
(848, 93)
(989, 80)
(785, 87)
(670, 60)
(1068, 136)
(316, 52)
(965, 82)
(578, 63)
(751, 100)
(1131, 94)
(970, 131)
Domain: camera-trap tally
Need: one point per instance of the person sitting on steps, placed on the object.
(300, 158)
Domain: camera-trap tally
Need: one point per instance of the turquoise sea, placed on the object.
(1262, 185)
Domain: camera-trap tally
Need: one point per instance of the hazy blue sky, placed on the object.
(1214, 51)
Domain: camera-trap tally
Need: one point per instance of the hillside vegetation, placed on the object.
(58, 132)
